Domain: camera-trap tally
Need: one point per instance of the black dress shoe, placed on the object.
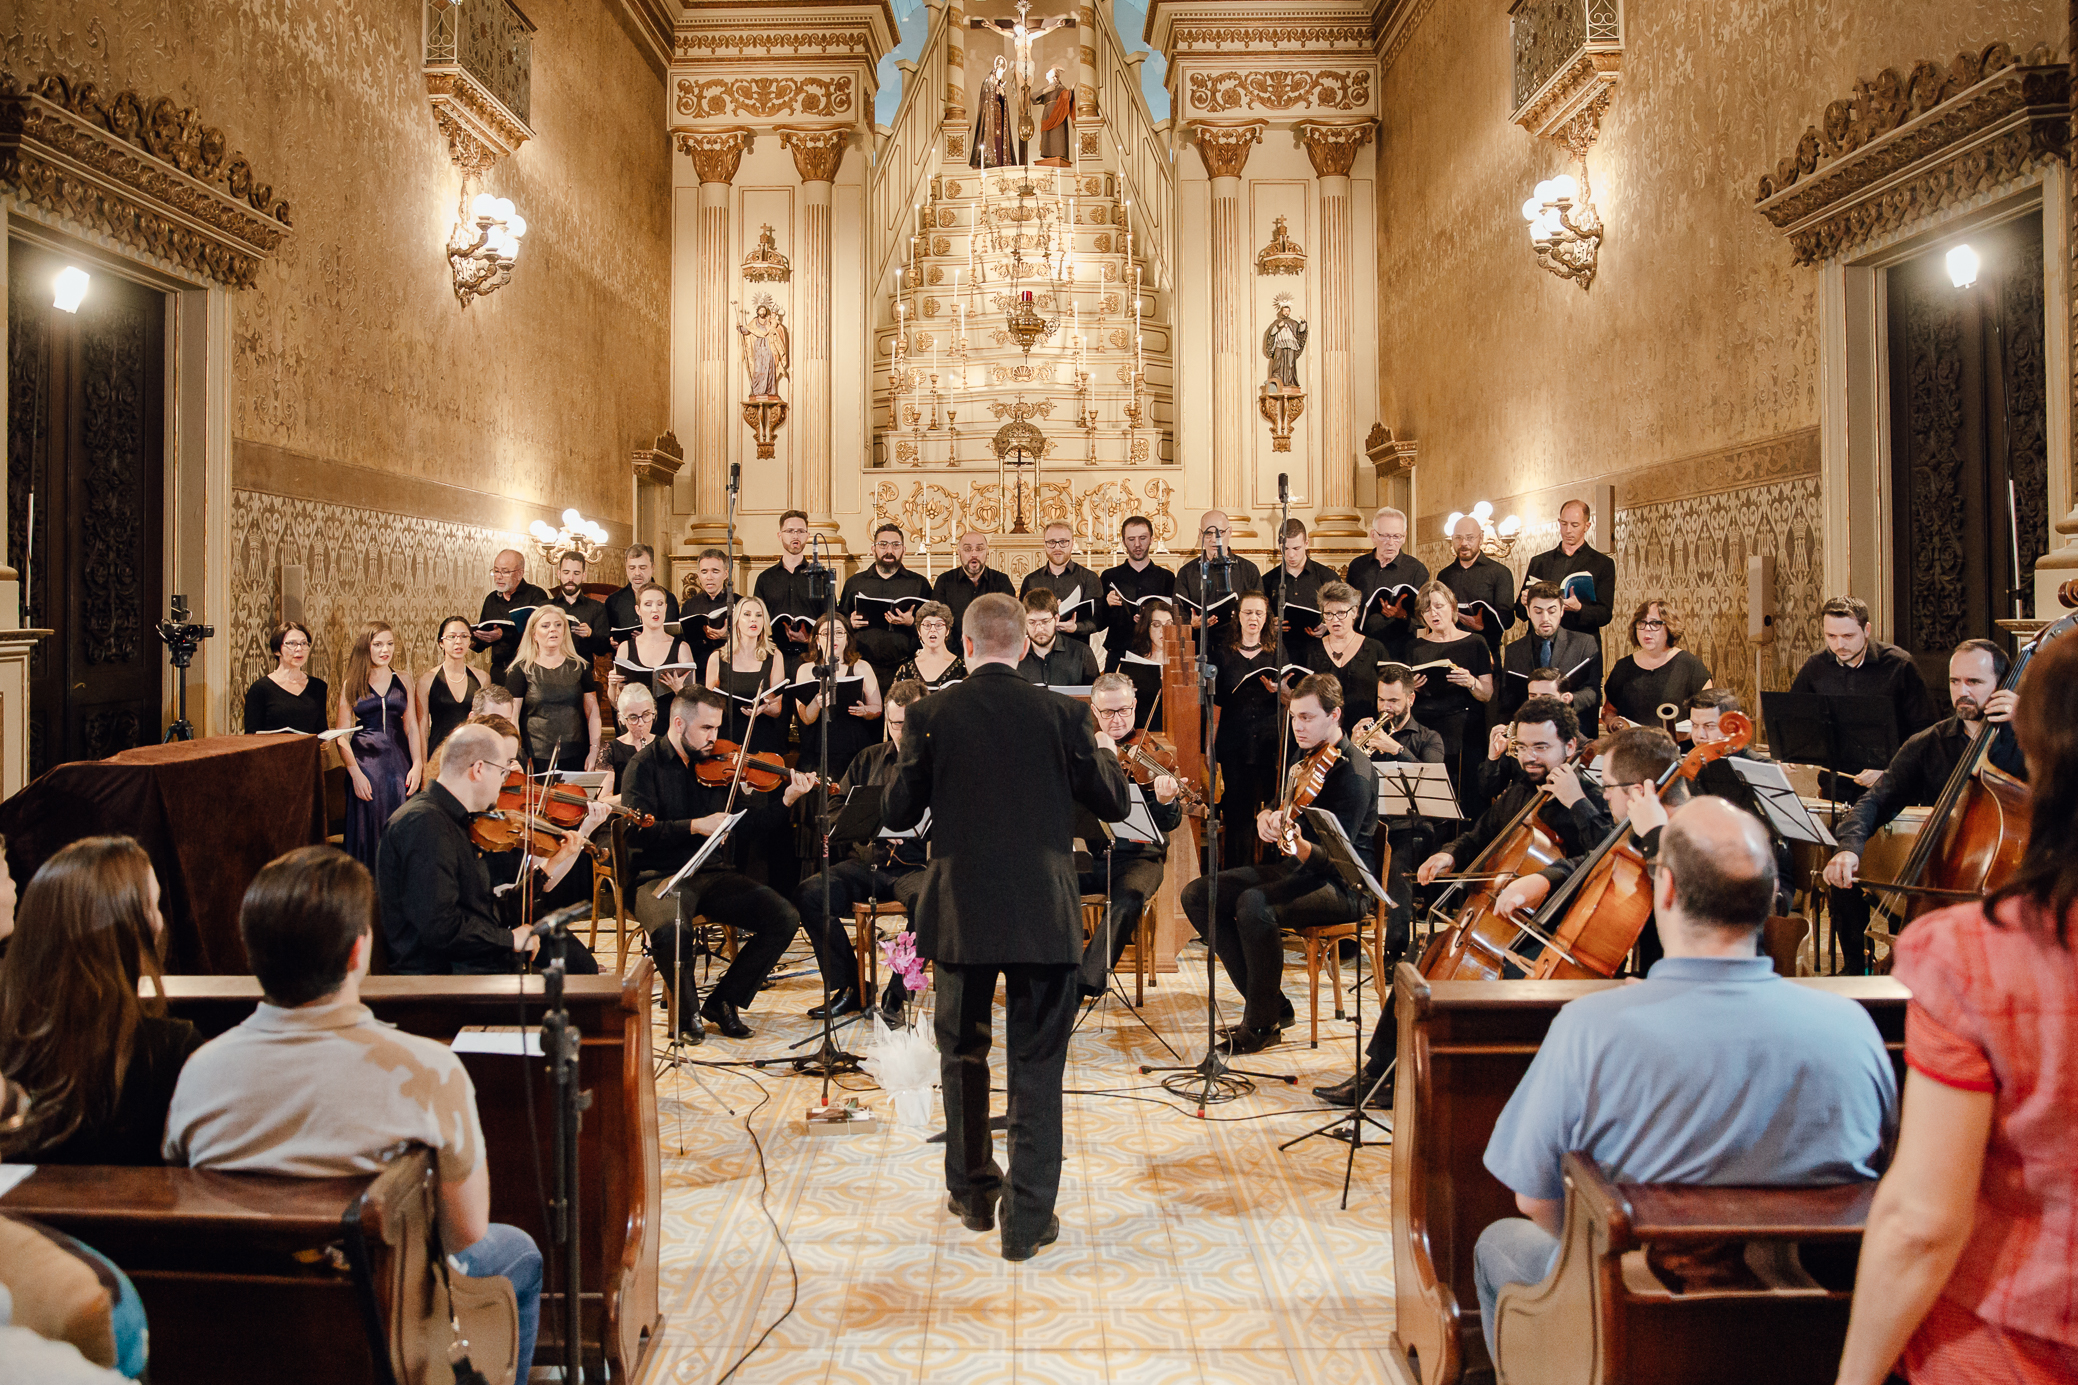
(984, 1220)
(847, 1003)
(1345, 1094)
(1046, 1238)
(697, 1034)
(724, 1017)
(1242, 1039)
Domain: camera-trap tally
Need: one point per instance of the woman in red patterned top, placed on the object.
(1969, 1269)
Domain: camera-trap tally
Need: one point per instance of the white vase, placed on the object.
(913, 1107)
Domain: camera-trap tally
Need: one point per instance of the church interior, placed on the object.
(320, 312)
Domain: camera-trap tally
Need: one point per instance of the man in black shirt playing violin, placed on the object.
(1298, 889)
(1128, 873)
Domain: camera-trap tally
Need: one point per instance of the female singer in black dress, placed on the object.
(1345, 651)
(447, 691)
(652, 647)
(1656, 671)
(386, 755)
(558, 696)
(635, 712)
(857, 724)
(1246, 743)
(288, 699)
(1453, 700)
(750, 665)
(1142, 663)
(937, 663)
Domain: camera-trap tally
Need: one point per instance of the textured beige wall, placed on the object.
(352, 347)
(1698, 333)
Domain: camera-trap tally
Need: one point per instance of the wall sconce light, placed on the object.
(578, 535)
(69, 289)
(1499, 540)
(1963, 264)
(1564, 230)
(484, 244)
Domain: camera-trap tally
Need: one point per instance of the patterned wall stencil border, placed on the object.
(1692, 552)
(358, 565)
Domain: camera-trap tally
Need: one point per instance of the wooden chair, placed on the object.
(1330, 936)
(1093, 907)
(865, 939)
(1700, 1285)
(1782, 938)
(607, 880)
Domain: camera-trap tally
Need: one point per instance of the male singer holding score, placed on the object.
(1001, 764)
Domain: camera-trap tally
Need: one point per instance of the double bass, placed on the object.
(1971, 843)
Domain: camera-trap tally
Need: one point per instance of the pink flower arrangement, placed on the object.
(899, 952)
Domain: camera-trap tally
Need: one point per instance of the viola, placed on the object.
(1973, 839)
(1145, 759)
(1308, 778)
(1589, 924)
(562, 807)
(503, 829)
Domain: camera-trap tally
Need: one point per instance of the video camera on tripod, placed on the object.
(182, 638)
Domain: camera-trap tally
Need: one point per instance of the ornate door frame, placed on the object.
(141, 189)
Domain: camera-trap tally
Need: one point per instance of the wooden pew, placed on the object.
(620, 1167)
(1463, 1047)
(1663, 1282)
(242, 1274)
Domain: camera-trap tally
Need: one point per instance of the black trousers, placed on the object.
(1131, 882)
(1850, 914)
(1246, 788)
(851, 882)
(1255, 902)
(765, 924)
(1039, 1014)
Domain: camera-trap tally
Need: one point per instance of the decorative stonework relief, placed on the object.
(775, 40)
(1279, 90)
(763, 97)
(1095, 511)
(1282, 255)
(1249, 37)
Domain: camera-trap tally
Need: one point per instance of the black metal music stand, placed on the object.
(1845, 734)
(1357, 876)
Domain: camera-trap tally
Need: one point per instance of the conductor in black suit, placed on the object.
(1002, 763)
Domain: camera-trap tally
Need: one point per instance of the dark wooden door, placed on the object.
(1969, 454)
(86, 423)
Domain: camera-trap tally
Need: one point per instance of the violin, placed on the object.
(1589, 924)
(1144, 759)
(762, 773)
(503, 829)
(1308, 778)
(561, 807)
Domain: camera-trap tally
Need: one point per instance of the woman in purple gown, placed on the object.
(386, 755)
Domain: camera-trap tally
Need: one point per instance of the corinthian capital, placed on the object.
(715, 153)
(1332, 145)
(816, 152)
(1224, 148)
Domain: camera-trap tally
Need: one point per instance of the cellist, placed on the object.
(1917, 774)
(1545, 736)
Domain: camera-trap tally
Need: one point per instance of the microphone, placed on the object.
(1284, 488)
(822, 671)
(735, 478)
(562, 918)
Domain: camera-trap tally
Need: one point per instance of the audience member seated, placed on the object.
(1712, 1070)
(98, 1062)
(314, 1086)
(1967, 1263)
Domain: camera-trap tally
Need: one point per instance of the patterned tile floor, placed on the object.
(1191, 1251)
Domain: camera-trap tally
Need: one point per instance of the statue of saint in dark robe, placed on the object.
(1056, 122)
(995, 137)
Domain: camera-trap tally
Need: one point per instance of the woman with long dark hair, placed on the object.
(97, 1059)
(447, 690)
(857, 723)
(1246, 743)
(387, 751)
(1966, 1262)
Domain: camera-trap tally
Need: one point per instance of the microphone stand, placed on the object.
(561, 1044)
(1284, 591)
(729, 519)
(1212, 1079)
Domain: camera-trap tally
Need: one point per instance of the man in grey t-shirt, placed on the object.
(313, 1085)
(1713, 1070)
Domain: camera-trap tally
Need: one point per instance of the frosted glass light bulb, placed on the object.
(1963, 264)
(1532, 209)
(1564, 188)
(516, 227)
(483, 206)
(504, 208)
(69, 288)
(1483, 511)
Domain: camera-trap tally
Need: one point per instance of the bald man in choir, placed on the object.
(1585, 578)
(1232, 575)
(497, 627)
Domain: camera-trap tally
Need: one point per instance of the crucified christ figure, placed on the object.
(1022, 32)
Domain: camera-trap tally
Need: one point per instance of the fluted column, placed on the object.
(817, 154)
(1225, 148)
(1088, 114)
(716, 155)
(1333, 149)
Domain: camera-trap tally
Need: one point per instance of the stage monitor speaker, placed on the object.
(1760, 599)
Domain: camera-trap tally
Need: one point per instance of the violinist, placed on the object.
(663, 781)
(873, 869)
(1917, 774)
(1302, 888)
(1127, 873)
(1050, 659)
(1544, 737)
(439, 914)
(1638, 756)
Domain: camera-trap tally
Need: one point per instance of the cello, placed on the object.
(1475, 944)
(1972, 841)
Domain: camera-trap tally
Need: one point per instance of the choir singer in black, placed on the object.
(1001, 765)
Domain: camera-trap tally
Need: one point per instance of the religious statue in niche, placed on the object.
(765, 349)
(1056, 122)
(995, 144)
(1283, 341)
(1280, 400)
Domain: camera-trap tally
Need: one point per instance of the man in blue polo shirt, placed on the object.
(1712, 1070)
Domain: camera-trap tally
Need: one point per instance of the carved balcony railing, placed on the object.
(1567, 54)
(479, 66)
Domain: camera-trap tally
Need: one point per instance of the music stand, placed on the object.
(1357, 876)
(1844, 734)
(1415, 788)
(679, 887)
(1779, 801)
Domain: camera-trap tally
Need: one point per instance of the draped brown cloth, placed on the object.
(210, 813)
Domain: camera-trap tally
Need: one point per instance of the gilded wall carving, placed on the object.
(349, 344)
(1095, 511)
(763, 96)
(792, 41)
(1280, 91)
(1256, 36)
